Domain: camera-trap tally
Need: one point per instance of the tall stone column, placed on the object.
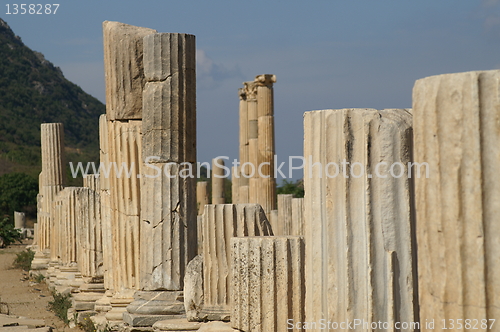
(265, 123)
(125, 80)
(457, 202)
(168, 220)
(267, 283)
(253, 143)
(243, 182)
(359, 229)
(201, 196)
(218, 196)
(53, 178)
(221, 223)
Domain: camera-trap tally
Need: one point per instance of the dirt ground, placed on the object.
(21, 298)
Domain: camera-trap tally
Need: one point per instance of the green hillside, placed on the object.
(34, 91)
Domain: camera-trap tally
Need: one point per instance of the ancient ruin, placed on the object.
(372, 242)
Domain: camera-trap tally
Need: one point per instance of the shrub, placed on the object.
(8, 233)
(24, 259)
(60, 306)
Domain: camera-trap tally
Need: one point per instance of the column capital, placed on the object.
(242, 94)
(265, 79)
(250, 90)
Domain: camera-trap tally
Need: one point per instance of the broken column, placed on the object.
(267, 283)
(168, 208)
(265, 124)
(359, 229)
(52, 181)
(284, 222)
(221, 223)
(63, 272)
(457, 193)
(297, 228)
(89, 248)
(218, 196)
(19, 220)
(125, 80)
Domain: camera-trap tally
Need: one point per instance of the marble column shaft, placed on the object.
(456, 133)
(359, 229)
(201, 196)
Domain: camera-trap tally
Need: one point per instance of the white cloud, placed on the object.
(210, 74)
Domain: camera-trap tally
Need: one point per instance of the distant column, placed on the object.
(253, 144)
(265, 123)
(19, 220)
(218, 196)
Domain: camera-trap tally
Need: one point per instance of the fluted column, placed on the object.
(125, 82)
(218, 195)
(284, 222)
(253, 143)
(267, 283)
(265, 123)
(359, 229)
(220, 223)
(235, 184)
(297, 228)
(458, 233)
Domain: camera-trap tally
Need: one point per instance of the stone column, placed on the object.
(19, 220)
(265, 115)
(457, 202)
(168, 220)
(267, 283)
(201, 196)
(125, 80)
(53, 178)
(253, 144)
(221, 223)
(359, 229)
(218, 196)
(242, 188)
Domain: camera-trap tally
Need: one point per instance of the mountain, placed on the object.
(34, 91)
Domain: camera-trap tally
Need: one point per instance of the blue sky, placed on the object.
(325, 53)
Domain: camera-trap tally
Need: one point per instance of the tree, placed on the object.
(18, 193)
(290, 187)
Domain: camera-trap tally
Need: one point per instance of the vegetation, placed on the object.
(23, 260)
(8, 233)
(60, 306)
(290, 187)
(34, 91)
(38, 278)
(18, 193)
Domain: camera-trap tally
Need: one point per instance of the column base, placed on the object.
(217, 327)
(149, 307)
(176, 325)
(119, 303)
(215, 314)
(41, 260)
